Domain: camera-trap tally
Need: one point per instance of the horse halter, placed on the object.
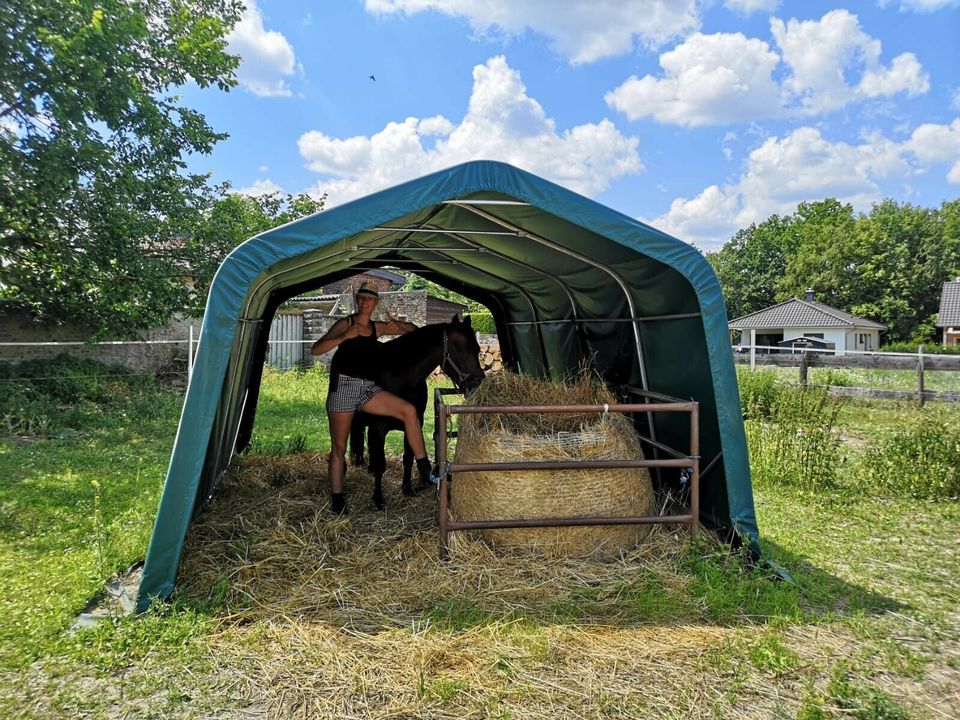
(458, 375)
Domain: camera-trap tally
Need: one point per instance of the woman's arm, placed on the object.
(394, 327)
(340, 331)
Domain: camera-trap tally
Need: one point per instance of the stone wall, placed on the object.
(349, 285)
(16, 328)
(409, 306)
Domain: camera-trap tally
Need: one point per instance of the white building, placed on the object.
(807, 323)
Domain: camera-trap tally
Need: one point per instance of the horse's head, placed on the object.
(461, 355)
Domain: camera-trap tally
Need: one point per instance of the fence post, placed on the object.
(190, 357)
(804, 364)
(753, 348)
(920, 376)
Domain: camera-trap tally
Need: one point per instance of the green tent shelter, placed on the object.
(568, 281)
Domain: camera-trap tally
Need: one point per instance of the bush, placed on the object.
(482, 323)
(928, 348)
(39, 395)
(921, 460)
(797, 445)
(760, 391)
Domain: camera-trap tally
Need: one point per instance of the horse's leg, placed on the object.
(376, 437)
(356, 438)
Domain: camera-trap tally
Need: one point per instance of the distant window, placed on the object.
(814, 335)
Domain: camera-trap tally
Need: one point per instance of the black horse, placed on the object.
(407, 362)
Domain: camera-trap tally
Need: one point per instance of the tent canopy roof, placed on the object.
(569, 282)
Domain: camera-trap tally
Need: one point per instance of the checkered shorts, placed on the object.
(351, 394)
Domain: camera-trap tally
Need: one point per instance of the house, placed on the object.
(949, 320)
(806, 323)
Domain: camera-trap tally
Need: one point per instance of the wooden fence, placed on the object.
(921, 363)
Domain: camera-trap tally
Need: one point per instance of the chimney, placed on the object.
(808, 295)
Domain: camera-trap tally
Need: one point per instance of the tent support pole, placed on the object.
(582, 258)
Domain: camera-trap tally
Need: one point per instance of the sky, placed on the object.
(696, 117)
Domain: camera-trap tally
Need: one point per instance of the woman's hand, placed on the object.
(397, 327)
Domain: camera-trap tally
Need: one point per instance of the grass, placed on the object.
(869, 627)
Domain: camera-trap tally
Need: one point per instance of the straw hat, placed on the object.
(368, 288)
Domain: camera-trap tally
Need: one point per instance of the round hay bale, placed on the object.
(526, 494)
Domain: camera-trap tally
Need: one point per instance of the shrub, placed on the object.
(39, 395)
(24, 411)
(920, 460)
(928, 348)
(797, 445)
(760, 391)
(482, 323)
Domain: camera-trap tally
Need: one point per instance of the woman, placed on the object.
(353, 387)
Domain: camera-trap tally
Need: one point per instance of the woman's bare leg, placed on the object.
(389, 405)
(337, 465)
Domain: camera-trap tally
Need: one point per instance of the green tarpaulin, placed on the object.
(568, 280)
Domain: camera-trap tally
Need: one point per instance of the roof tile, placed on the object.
(950, 305)
(801, 313)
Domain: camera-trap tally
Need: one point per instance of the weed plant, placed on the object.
(42, 396)
(760, 391)
(919, 460)
(832, 377)
(797, 445)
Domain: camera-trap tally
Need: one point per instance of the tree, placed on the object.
(888, 265)
(416, 282)
(94, 191)
(750, 265)
(819, 256)
(230, 220)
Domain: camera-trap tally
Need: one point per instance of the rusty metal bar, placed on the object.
(695, 475)
(565, 522)
(444, 412)
(570, 409)
(570, 465)
(443, 486)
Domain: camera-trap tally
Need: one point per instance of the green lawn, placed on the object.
(869, 627)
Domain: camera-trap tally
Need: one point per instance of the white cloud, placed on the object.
(805, 166)
(923, 6)
(751, 6)
(904, 74)
(501, 123)
(822, 54)
(726, 77)
(260, 187)
(263, 168)
(708, 79)
(936, 144)
(266, 57)
(581, 30)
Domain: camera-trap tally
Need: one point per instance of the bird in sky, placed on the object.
(373, 78)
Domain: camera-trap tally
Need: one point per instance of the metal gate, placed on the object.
(286, 339)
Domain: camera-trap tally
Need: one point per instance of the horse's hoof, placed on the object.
(408, 490)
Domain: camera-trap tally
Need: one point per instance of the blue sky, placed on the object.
(696, 117)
